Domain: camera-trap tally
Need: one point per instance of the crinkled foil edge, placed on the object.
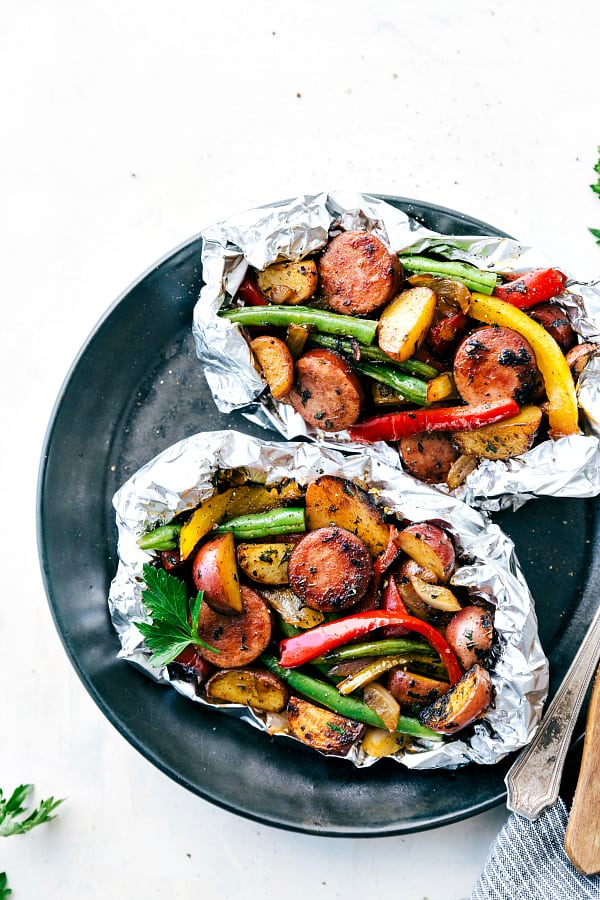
(181, 477)
(295, 228)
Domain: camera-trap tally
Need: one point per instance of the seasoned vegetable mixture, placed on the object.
(313, 604)
(452, 363)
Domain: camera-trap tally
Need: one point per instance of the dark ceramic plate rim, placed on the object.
(120, 691)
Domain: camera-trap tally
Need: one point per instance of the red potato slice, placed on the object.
(405, 321)
(460, 705)
(215, 571)
(429, 456)
(435, 595)
(251, 686)
(276, 363)
(331, 500)
(322, 729)
(237, 639)
(431, 547)
(470, 634)
(412, 689)
(289, 281)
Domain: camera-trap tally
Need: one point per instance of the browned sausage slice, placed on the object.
(327, 393)
(358, 273)
(492, 363)
(330, 569)
(428, 456)
(239, 639)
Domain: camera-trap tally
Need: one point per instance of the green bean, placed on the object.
(286, 520)
(373, 354)
(472, 277)
(165, 537)
(328, 696)
(332, 323)
(410, 388)
(392, 646)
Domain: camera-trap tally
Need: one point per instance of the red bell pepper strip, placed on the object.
(302, 648)
(251, 294)
(531, 288)
(393, 602)
(447, 418)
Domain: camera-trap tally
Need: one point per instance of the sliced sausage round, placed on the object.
(326, 393)
(357, 273)
(556, 322)
(428, 456)
(239, 639)
(330, 569)
(492, 363)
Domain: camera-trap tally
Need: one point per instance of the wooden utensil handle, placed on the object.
(582, 838)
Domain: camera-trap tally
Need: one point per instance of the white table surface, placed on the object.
(126, 128)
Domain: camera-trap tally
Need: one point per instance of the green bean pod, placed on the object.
(363, 330)
(475, 279)
(285, 520)
(165, 537)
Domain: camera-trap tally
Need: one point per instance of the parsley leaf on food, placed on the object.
(12, 812)
(171, 631)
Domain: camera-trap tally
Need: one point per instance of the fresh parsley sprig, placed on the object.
(12, 810)
(175, 618)
(596, 189)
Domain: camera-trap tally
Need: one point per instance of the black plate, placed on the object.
(136, 388)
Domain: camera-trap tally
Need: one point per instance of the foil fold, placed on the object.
(183, 475)
(295, 228)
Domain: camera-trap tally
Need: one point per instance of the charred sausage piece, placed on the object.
(492, 363)
(428, 456)
(556, 322)
(326, 393)
(358, 274)
(239, 639)
(330, 569)
(579, 356)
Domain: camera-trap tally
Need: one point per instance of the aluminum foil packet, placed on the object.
(568, 467)
(182, 476)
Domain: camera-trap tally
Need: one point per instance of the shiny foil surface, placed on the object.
(569, 467)
(182, 476)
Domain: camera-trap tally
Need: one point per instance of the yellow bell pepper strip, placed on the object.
(560, 388)
(394, 426)
(533, 287)
(302, 648)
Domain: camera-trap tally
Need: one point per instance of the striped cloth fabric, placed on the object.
(528, 862)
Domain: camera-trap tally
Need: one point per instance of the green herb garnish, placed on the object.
(13, 818)
(175, 618)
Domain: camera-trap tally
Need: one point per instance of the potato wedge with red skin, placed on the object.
(331, 500)
(321, 729)
(412, 689)
(429, 456)
(265, 563)
(330, 569)
(461, 704)
(470, 634)
(289, 281)
(404, 323)
(237, 640)
(431, 547)
(214, 571)
(276, 363)
(435, 595)
(250, 686)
